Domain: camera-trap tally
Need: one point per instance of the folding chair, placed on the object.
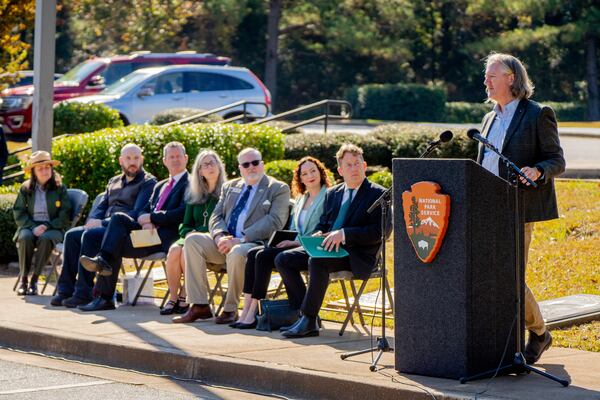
(347, 276)
(159, 257)
(78, 199)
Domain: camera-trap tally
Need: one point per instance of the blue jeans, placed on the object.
(75, 280)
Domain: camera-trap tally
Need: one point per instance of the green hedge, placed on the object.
(84, 117)
(176, 114)
(88, 161)
(10, 189)
(8, 251)
(568, 111)
(281, 169)
(399, 101)
(381, 144)
(384, 178)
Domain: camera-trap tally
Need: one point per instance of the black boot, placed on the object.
(33, 290)
(22, 290)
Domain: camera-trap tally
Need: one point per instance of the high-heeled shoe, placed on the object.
(251, 325)
(169, 308)
(181, 307)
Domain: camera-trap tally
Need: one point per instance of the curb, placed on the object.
(256, 376)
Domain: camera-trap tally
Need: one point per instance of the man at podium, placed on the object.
(526, 133)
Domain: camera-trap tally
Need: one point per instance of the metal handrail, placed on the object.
(20, 150)
(243, 115)
(345, 113)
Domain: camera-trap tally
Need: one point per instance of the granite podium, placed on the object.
(454, 310)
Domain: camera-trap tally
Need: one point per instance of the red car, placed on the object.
(89, 78)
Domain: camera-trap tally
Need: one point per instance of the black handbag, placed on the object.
(273, 314)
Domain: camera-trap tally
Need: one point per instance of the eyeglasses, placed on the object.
(246, 165)
(208, 164)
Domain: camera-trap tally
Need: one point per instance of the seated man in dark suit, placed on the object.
(128, 192)
(164, 213)
(346, 223)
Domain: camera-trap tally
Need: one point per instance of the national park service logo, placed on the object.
(426, 213)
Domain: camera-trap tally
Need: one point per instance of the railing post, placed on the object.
(245, 113)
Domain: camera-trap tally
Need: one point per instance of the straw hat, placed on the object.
(40, 158)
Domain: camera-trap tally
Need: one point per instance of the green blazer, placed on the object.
(313, 214)
(196, 218)
(59, 210)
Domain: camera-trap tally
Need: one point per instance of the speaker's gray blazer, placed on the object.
(267, 213)
(532, 141)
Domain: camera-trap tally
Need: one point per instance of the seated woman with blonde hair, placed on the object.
(42, 213)
(309, 184)
(207, 177)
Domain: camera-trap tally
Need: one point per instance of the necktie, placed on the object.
(165, 193)
(339, 221)
(239, 207)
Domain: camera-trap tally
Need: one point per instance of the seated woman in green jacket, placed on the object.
(42, 210)
(207, 177)
(309, 184)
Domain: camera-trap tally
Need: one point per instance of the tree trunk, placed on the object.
(592, 79)
(272, 48)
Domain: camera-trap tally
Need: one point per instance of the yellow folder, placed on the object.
(145, 238)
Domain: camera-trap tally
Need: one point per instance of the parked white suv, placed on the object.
(144, 93)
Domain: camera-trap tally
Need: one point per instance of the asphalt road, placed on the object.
(32, 377)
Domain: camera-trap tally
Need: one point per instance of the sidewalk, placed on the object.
(139, 338)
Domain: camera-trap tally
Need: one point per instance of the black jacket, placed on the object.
(532, 141)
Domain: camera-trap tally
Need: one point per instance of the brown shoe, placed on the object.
(195, 312)
(226, 317)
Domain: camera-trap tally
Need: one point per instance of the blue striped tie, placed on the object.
(239, 207)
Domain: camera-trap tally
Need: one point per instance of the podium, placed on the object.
(455, 314)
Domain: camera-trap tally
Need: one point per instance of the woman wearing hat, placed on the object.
(41, 211)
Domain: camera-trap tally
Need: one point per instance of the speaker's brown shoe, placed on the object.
(226, 317)
(536, 345)
(195, 312)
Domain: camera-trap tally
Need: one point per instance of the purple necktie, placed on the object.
(165, 194)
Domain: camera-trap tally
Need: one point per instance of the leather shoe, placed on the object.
(57, 300)
(33, 289)
(251, 325)
(305, 327)
(74, 302)
(169, 308)
(195, 312)
(536, 345)
(96, 264)
(226, 317)
(287, 328)
(98, 304)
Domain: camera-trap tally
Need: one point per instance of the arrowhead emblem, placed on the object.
(426, 214)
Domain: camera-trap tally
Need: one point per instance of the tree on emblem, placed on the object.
(413, 216)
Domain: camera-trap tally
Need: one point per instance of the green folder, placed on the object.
(312, 245)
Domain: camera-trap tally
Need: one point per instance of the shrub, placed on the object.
(462, 112)
(324, 147)
(384, 178)
(568, 111)
(281, 169)
(176, 114)
(8, 251)
(10, 189)
(88, 161)
(399, 101)
(84, 117)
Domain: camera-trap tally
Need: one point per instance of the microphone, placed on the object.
(444, 137)
(476, 135)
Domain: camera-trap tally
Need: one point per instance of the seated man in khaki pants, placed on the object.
(250, 209)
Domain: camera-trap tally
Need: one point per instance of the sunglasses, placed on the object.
(247, 164)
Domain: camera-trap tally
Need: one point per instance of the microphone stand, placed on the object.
(383, 345)
(519, 364)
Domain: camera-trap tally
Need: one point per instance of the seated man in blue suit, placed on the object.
(164, 213)
(345, 223)
(128, 192)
